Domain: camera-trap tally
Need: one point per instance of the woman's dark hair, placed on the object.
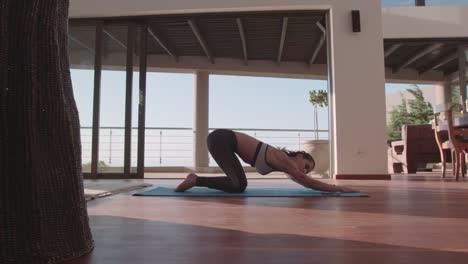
(304, 154)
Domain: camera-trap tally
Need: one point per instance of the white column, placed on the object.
(442, 94)
(200, 122)
(358, 116)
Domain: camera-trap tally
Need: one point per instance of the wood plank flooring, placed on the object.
(410, 219)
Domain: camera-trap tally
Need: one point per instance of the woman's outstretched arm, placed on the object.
(286, 165)
(308, 182)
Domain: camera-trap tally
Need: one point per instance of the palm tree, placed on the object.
(43, 214)
(318, 98)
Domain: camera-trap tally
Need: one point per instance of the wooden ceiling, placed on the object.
(271, 36)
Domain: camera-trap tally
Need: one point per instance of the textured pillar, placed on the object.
(43, 217)
(441, 96)
(200, 127)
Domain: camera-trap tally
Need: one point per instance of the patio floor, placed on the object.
(410, 219)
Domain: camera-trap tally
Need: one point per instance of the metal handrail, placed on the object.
(163, 147)
(237, 129)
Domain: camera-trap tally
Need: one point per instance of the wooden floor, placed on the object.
(416, 219)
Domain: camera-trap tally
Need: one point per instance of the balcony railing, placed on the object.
(172, 146)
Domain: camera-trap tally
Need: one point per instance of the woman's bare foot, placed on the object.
(188, 183)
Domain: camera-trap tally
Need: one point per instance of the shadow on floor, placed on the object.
(126, 240)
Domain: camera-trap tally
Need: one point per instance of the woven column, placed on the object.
(43, 217)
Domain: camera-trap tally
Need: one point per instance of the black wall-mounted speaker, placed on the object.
(356, 19)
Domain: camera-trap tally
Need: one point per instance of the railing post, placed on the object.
(110, 146)
(160, 147)
(299, 141)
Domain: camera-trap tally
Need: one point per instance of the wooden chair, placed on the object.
(443, 141)
(417, 148)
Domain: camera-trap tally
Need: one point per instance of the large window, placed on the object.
(457, 93)
(82, 41)
(112, 112)
(135, 102)
(389, 3)
(446, 2)
(169, 120)
(397, 98)
(276, 111)
(465, 77)
(105, 61)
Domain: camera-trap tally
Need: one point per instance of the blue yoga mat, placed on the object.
(249, 192)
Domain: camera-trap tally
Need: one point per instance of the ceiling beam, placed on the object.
(419, 55)
(283, 37)
(115, 39)
(440, 63)
(420, 2)
(162, 44)
(452, 76)
(321, 27)
(320, 43)
(243, 41)
(392, 49)
(200, 39)
(317, 49)
(80, 43)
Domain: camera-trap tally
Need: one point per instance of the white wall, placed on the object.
(425, 22)
(358, 96)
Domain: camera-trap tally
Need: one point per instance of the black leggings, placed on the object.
(222, 145)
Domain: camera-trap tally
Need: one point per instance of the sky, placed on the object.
(235, 101)
(428, 2)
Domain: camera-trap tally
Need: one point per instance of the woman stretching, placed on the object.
(224, 144)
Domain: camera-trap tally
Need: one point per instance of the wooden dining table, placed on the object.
(458, 122)
(460, 130)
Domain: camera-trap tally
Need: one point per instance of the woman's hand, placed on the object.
(344, 189)
(303, 179)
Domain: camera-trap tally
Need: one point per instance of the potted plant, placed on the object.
(318, 148)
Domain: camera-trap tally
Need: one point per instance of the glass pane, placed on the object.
(256, 98)
(169, 120)
(135, 102)
(456, 96)
(387, 3)
(446, 2)
(466, 73)
(466, 54)
(81, 44)
(113, 85)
